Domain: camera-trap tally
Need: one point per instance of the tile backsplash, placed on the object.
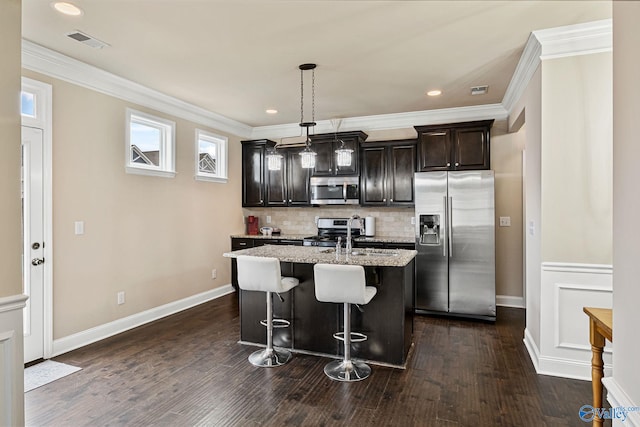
(390, 222)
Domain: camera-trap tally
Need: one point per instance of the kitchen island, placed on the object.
(387, 320)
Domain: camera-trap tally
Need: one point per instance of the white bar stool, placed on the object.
(264, 275)
(344, 284)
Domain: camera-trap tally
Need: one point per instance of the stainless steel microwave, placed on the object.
(335, 190)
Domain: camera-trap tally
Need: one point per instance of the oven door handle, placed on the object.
(344, 191)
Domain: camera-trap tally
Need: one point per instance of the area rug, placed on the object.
(43, 373)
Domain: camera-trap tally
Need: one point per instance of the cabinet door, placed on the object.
(402, 166)
(252, 174)
(298, 193)
(372, 178)
(434, 150)
(471, 148)
(324, 158)
(275, 186)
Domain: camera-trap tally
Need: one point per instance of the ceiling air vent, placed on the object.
(87, 39)
(479, 90)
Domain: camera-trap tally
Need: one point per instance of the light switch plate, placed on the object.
(505, 221)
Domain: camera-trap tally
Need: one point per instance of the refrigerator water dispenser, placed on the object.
(430, 230)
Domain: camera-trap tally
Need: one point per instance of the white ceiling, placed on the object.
(238, 58)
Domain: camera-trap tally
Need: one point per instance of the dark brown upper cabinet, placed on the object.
(288, 186)
(388, 168)
(454, 146)
(325, 146)
(253, 172)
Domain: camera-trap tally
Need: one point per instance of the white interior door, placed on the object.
(33, 242)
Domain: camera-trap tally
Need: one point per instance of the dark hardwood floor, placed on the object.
(188, 369)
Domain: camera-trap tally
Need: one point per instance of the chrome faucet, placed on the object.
(349, 222)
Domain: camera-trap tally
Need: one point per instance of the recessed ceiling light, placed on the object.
(67, 8)
(479, 90)
(434, 92)
(271, 111)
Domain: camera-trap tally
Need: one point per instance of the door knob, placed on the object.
(37, 261)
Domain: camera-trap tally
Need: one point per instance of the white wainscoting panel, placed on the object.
(11, 361)
(564, 349)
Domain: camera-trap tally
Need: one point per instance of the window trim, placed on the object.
(167, 155)
(222, 161)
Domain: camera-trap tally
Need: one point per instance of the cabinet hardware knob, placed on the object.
(457, 164)
(391, 200)
(448, 164)
(384, 200)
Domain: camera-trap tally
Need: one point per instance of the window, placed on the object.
(28, 104)
(150, 145)
(211, 157)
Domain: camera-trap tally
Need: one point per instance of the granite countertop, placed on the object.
(317, 255)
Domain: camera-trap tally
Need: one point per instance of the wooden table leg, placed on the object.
(597, 369)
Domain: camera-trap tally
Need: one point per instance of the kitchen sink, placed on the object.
(361, 252)
(373, 253)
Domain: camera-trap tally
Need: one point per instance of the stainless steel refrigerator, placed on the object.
(455, 240)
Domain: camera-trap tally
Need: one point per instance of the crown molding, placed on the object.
(525, 70)
(390, 121)
(573, 40)
(53, 64)
(559, 42)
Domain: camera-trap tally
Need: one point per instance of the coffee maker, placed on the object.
(253, 226)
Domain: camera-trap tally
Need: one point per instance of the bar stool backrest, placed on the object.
(340, 283)
(259, 274)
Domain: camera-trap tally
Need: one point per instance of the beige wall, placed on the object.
(11, 241)
(530, 105)
(577, 159)
(626, 203)
(506, 162)
(156, 239)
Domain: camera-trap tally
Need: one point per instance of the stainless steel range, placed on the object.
(329, 229)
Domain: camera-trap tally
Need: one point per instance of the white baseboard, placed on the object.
(532, 348)
(617, 397)
(509, 301)
(107, 330)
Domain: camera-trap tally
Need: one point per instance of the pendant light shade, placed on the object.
(343, 155)
(274, 160)
(308, 158)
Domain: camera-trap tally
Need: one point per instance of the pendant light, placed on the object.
(308, 156)
(274, 159)
(343, 154)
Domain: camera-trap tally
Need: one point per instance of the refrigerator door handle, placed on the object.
(450, 226)
(446, 225)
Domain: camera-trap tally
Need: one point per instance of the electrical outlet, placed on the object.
(120, 297)
(214, 273)
(79, 228)
(505, 221)
(268, 219)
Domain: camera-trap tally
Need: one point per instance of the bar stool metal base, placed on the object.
(347, 370)
(269, 358)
